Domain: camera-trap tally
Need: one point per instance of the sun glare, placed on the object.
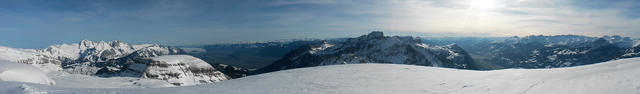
(483, 4)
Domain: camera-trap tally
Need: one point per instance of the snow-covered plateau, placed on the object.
(182, 70)
(613, 77)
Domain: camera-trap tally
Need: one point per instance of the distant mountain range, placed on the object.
(545, 51)
(487, 53)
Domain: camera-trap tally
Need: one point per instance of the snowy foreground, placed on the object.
(10, 71)
(614, 77)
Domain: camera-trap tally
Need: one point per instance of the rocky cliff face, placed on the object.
(181, 70)
(374, 48)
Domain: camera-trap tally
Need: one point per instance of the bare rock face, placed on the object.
(181, 70)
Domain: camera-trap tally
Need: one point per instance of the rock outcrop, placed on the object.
(181, 70)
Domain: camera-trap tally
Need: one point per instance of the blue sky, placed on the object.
(38, 23)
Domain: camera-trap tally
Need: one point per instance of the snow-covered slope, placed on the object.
(614, 77)
(374, 47)
(30, 56)
(11, 71)
(182, 70)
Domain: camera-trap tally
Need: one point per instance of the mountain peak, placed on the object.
(85, 42)
(455, 46)
(373, 48)
(375, 35)
(601, 41)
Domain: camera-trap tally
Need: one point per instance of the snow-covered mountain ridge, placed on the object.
(113, 59)
(613, 77)
(87, 57)
(374, 47)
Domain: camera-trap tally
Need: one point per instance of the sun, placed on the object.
(483, 4)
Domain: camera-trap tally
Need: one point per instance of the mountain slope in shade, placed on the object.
(231, 71)
(613, 77)
(374, 47)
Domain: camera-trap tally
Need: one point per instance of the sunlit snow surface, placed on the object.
(614, 77)
(10, 71)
